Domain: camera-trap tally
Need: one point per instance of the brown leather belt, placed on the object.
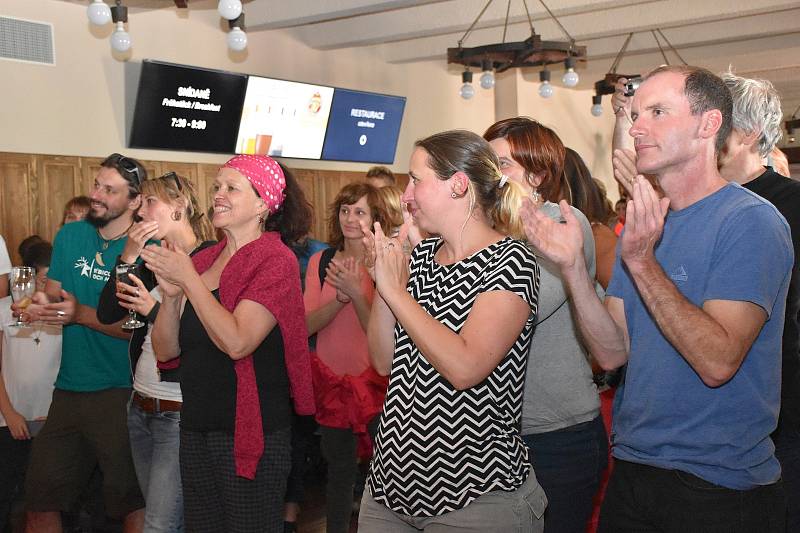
(155, 405)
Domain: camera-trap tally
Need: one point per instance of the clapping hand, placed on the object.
(644, 223)
(58, 313)
(391, 264)
(345, 275)
(560, 242)
(169, 263)
(624, 163)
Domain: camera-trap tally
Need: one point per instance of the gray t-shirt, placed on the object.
(559, 391)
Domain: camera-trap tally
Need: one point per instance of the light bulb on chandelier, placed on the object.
(99, 13)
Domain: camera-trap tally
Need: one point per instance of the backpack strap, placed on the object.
(324, 261)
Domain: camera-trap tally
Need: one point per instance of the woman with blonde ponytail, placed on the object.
(451, 328)
(170, 212)
(561, 422)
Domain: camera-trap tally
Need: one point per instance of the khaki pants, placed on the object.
(497, 511)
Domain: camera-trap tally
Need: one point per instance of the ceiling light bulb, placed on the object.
(120, 39)
(597, 105)
(467, 91)
(99, 13)
(487, 80)
(545, 89)
(570, 77)
(237, 39)
(229, 9)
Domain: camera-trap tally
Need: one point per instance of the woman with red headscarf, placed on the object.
(241, 338)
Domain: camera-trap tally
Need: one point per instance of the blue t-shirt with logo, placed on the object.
(90, 360)
(731, 245)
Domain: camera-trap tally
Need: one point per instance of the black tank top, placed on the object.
(208, 379)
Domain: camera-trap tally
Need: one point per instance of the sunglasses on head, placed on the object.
(174, 178)
(129, 166)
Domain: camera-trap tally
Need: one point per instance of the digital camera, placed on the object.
(632, 85)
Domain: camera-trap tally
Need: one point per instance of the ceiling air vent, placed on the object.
(27, 41)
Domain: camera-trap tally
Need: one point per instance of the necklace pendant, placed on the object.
(105, 245)
(37, 340)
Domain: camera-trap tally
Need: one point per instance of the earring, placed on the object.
(176, 215)
(536, 196)
(260, 218)
(453, 195)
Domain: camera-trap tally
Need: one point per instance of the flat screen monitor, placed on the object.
(187, 108)
(363, 127)
(283, 118)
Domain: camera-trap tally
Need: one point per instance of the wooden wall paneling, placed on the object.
(24, 211)
(320, 208)
(153, 168)
(89, 166)
(189, 171)
(205, 179)
(57, 176)
(18, 196)
(329, 182)
(307, 179)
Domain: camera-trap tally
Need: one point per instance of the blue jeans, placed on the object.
(155, 441)
(569, 463)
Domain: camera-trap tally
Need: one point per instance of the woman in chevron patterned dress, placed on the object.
(452, 328)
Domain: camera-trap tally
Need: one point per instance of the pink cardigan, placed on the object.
(264, 271)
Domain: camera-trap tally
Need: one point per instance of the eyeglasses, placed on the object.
(129, 166)
(174, 177)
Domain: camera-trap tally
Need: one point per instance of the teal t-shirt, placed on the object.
(90, 360)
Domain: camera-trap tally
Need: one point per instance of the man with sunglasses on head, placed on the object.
(86, 425)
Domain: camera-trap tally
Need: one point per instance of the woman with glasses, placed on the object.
(243, 348)
(171, 213)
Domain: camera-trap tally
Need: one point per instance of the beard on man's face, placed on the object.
(101, 221)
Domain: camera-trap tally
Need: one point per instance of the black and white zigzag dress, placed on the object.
(439, 448)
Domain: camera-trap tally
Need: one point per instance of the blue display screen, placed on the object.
(363, 127)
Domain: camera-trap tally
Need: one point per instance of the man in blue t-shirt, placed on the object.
(695, 308)
(87, 422)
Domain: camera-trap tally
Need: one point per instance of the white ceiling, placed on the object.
(758, 38)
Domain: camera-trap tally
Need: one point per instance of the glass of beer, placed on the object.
(23, 285)
(123, 272)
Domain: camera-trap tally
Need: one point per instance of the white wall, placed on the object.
(78, 106)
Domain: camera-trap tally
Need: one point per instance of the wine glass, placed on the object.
(23, 285)
(123, 272)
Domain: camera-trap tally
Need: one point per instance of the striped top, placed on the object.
(439, 448)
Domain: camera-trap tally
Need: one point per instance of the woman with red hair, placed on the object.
(561, 423)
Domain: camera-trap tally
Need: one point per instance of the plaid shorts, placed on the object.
(215, 499)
